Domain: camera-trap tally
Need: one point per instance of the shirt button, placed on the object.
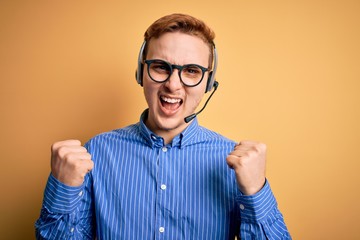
(161, 229)
(72, 229)
(242, 207)
(164, 149)
(163, 186)
(153, 137)
(80, 193)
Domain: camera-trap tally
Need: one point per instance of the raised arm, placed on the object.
(67, 210)
(259, 214)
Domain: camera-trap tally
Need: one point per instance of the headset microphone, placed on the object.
(192, 116)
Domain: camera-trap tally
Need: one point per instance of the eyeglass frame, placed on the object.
(179, 68)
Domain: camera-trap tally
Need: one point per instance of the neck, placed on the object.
(167, 134)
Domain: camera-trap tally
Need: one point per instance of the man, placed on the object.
(163, 178)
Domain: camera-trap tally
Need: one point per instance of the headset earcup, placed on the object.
(210, 82)
(139, 74)
(140, 67)
(136, 76)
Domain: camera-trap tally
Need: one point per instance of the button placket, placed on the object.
(162, 186)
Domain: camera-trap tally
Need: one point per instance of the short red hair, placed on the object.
(181, 23)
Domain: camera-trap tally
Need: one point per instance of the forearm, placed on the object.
(260, 216)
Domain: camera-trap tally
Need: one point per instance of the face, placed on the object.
(170, 102)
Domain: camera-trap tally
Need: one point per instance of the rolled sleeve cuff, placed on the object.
(61, 198)
(257, 207)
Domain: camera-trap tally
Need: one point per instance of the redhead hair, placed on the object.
(183, 23)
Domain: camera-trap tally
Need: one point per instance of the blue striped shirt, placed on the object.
(140, 188)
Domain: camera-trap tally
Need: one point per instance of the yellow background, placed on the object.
(289, 74)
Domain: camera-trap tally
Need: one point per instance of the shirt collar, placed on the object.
(186, 137)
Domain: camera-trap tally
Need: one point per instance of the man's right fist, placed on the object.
(70, 162)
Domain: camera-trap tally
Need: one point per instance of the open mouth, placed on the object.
(169, 103)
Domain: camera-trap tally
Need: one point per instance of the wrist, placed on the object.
(252, 189)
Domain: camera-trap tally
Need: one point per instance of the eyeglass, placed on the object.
(190, 74)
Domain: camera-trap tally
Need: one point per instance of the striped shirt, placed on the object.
(140, 188)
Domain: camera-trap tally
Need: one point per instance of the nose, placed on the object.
(174, 82)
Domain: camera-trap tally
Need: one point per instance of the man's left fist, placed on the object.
(249, 162)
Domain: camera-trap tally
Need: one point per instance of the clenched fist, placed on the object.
(70, 162)
(248, 161)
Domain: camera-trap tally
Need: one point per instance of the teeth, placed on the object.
(170, 100)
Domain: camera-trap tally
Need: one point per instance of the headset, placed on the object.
(211, 82)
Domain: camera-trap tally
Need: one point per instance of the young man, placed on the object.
(163, 178)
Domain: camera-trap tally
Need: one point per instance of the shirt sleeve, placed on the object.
(260, 217)
(67, 212)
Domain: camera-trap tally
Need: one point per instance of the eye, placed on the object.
(160, 67)
(192, 70)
